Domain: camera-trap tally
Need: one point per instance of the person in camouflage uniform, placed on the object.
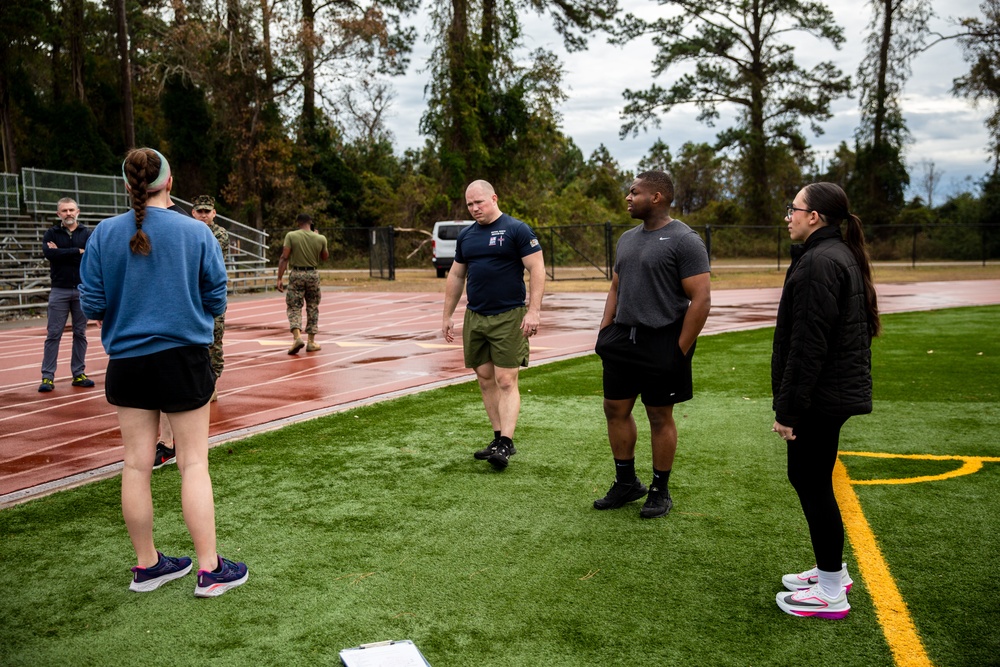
(303, 249)
(203, 208)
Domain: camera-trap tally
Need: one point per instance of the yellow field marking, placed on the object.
(890, 608)
(970, 464)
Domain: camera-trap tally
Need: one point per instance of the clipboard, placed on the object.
(401, 653)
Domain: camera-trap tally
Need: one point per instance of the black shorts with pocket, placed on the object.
(640, 361)
(173, 380)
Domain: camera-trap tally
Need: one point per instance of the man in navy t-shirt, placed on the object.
(491, 257)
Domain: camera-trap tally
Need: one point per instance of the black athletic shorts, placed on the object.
(640, 361)
(174, 380)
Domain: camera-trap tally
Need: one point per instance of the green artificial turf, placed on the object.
(378, 524)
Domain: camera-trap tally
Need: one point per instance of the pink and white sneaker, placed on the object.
(809, 578)
(813, 602)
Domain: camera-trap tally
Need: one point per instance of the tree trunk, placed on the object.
(265, 19)
(6, 131)
(462, 117)
(883, 66)
(125, 69)
(55, 64)
(758, 193)
(233, 21)
(74, 26)
(308, 66)
(879, 152)
(489, 33)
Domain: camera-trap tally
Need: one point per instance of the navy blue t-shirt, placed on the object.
(492, 254)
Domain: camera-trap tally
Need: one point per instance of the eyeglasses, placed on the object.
(789, 208)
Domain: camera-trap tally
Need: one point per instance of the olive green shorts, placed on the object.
(495, 338)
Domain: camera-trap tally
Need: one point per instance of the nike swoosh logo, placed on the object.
(664, 238)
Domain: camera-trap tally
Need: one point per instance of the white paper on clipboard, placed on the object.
(403, 653)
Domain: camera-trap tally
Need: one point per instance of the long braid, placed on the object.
(137, 169)
(830, 201)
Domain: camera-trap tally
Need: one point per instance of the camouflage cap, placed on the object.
(203, 203)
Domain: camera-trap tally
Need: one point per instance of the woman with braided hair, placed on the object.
(820, 377)
(156, 280)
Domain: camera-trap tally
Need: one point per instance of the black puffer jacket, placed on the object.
(821, 357)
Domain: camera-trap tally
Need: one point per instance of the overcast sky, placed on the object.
(946, 130)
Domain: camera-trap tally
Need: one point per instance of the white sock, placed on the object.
(830, 583)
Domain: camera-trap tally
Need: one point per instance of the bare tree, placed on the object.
(362, 108)
(930, 180)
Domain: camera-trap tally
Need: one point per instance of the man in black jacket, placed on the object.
(63, 246)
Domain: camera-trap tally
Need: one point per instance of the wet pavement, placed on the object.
(375, 346)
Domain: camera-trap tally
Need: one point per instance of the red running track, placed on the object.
(375, 345)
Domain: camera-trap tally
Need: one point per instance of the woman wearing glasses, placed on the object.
(821, 376)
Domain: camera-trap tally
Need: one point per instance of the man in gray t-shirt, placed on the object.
(657, 305)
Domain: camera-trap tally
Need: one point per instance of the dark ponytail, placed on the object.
(830, 201)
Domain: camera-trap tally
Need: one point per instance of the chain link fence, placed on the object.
(590, 249)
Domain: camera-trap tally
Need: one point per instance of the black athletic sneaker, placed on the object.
(164, 455)
(487, 451)
(658, 503)
(501, 455)
(620, 494)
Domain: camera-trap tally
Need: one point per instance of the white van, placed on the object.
(443, 243)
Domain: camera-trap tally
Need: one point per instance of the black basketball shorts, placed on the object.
(640, 361)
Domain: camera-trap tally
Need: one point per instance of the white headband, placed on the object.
(161, 179)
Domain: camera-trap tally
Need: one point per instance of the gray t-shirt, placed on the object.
(650, 268)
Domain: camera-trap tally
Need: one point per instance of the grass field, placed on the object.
(378, 524)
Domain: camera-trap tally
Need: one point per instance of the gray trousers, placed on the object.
(62, 302)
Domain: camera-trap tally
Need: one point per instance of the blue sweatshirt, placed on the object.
(152, 303)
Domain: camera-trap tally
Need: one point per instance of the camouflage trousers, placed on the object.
(215, 349)
(303, 286)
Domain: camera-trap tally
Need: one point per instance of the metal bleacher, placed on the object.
(24, 273)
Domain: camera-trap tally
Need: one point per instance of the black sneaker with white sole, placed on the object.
(621, 494)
